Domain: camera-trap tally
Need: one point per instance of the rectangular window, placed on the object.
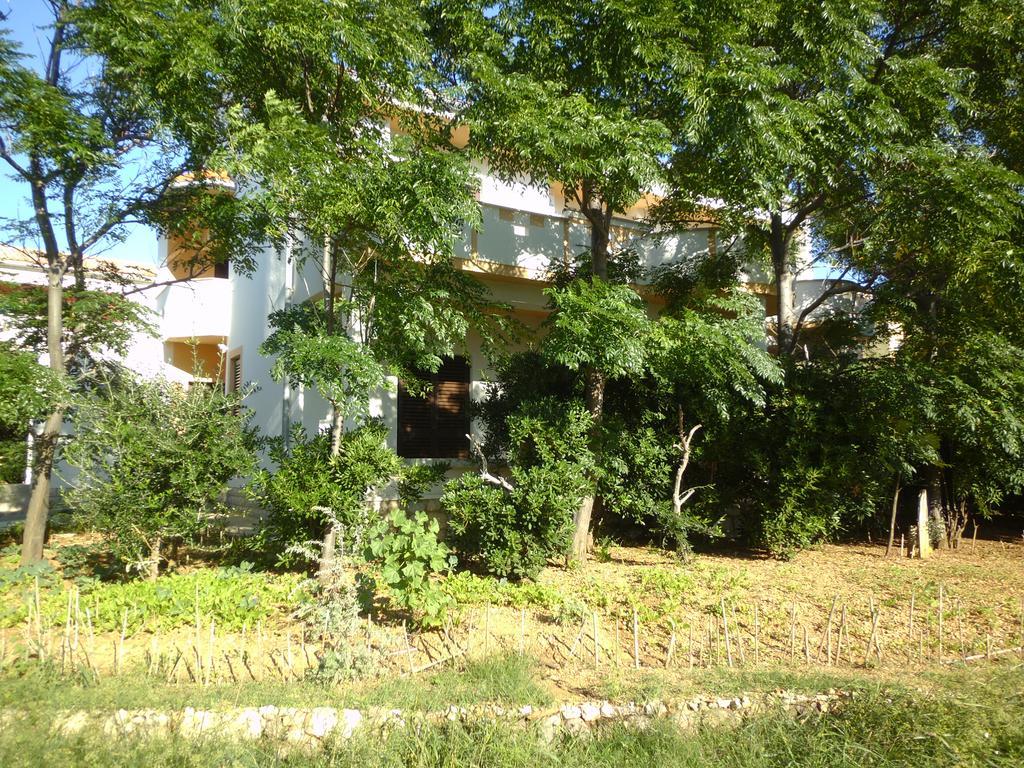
(222, 269)
(435, 426)
(235, 373)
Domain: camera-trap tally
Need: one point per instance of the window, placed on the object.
(222, 269)
(435, 426)
(234, 373)
(234, 380)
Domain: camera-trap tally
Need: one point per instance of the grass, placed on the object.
(967, 717)
(508, 680)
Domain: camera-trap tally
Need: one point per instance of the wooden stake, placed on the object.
(1020, 632)
(636, 640)
(522, 631)
(757, 634)
(487, 629)
(839, 639)
(725, 628)
(874, 631)
(792, 631)
(211, 656)
(739, 636)
(828, 632)
(942, 595)
(671, 643)
(807, 647)
(910, 627)
(618, 644)
(960, 628)
(691, 645)
(974, 536)
(120, 645)
(408, 645)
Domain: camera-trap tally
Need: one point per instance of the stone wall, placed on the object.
(307, 728)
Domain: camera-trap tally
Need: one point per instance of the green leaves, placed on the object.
(597, 324)
(405, 550)
(153, 460)
(341, 368)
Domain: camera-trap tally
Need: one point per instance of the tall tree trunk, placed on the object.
(599, 218)
(46, 443)
(782, 267)
(936, 519)
(330, 541)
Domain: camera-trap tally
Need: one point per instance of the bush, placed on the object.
(153, 460)
(512, 534)
(308, 482)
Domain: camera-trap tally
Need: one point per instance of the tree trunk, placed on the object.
(599, 219)
(936, 518)
(784, 280)
(154, 559)
(892, 518)
(330, 542)
(46, 443)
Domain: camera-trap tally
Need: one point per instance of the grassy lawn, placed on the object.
(965, 717)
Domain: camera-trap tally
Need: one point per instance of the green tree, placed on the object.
(553, 95)
(27, 391)
(94, 153)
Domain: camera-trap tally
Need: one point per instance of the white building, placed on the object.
(215, 320)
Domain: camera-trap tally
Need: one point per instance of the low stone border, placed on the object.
(310, 727)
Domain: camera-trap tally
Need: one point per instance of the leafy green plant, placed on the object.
(405, 553)
(232, 597)
(512, 531)
(153, 461)
(309, 486)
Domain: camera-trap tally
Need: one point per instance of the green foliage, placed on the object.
(513, 533)
(309, 488)
(597, 324)
(153, 460)
(99, 324)
(233, 597)
(416, 479)
(406, 553)
(466, 588)
(27, 391)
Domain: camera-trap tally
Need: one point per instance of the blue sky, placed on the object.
(24, 21)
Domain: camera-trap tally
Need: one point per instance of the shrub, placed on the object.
(153, 460)
(512, 533)
(308, 486)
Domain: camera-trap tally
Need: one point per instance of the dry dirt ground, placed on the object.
(657, 620)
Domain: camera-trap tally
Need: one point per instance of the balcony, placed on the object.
(199, 309)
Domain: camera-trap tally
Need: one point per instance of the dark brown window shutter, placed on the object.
(235, 383)
(435, 426)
